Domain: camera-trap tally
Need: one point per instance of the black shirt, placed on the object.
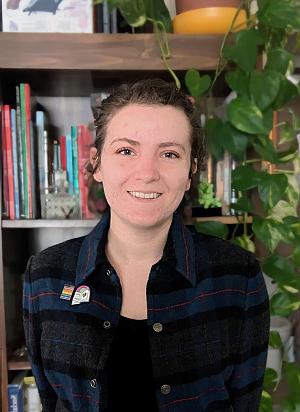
(130, 378)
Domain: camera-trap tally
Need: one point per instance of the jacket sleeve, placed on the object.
(32, 329)
(245, 384)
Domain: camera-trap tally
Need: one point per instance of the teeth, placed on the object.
(145, 195)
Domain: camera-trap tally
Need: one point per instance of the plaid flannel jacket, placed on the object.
(208, 323)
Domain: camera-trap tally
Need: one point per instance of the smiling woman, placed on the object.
(142, 313)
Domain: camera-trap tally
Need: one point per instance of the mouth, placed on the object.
(145, 195)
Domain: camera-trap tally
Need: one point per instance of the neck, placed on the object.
(134, 245)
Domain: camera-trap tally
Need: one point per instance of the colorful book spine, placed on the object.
(69, 162)
(40, 127)
(25, 157)
(63, 152)
(15, 162)
(75, 158)
(85, 141)
(20, 154)
(30, 159)
(5, 206)
(9, 159)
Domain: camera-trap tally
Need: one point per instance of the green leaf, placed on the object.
(268, 231)
(287, 134)
(282, 270)
(244, 52)
(245, 242)
(243, 204)
(278, 60)
(157, 10)
(284, 303)
(270, 379)
(214, 140)
(212, 228)
(294, 225)
(264, 87)
(133, 11)
(275, 340)
(234, 141)
(265, 148)
(291, 372)
(244, 178)
(282, 210)
(196, 84)
(238, 81)
(246, 116)
(296, 256)
(292, 192)
(271, 188)
(265, 402)
(280, 14)
(268, 119)
(286, 92)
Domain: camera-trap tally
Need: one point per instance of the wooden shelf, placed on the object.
(223, 219)
(41, 223)
(65, 223)
(105, 52)
(15, 364)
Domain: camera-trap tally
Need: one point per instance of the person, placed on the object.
(143, 313)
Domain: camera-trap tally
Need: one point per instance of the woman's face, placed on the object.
(145, 163)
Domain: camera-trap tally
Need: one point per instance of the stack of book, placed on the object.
(34, 165)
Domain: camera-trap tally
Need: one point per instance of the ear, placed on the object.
(93, 160)
(195, 166)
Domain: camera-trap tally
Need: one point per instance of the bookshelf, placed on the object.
(62, 66)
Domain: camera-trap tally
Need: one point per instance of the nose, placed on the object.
(147, 170)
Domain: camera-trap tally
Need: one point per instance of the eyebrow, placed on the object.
(135, 143)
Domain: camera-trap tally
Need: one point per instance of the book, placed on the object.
(65, 16)
(16, 393)
(9, 161)
(15, 163)
(75, 158)
(85, 140)
(69, 162)
(20, 155)
(5, 206)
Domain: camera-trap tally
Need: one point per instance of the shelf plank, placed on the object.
(228, 220)
(65, 223)
(106, 52)
(16, 365)
(41, 223)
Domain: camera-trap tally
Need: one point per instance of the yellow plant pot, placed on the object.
(208, 20)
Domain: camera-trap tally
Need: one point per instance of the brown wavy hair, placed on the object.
(148, 92)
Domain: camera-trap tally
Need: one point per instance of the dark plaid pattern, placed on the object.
(207, 295)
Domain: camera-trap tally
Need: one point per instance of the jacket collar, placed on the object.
(179, 245)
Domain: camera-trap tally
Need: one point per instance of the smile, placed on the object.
(143, 195)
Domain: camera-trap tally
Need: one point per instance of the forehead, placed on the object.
(156, 121)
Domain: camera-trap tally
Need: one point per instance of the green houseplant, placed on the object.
(257, 62)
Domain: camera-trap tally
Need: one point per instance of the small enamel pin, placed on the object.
(67, 291)
(81, 295)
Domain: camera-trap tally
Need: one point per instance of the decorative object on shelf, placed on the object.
(67, 16)
(60, 205)
(210, 205)
(207, 16)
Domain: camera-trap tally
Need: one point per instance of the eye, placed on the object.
(125, 152)
(171, 155)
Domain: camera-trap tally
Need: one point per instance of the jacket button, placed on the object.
(157, 327)
(165, 389)
(108, 272)
(93, 383)
(106, 324)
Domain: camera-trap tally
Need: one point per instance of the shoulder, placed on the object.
(223, 256)
(62, 256)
